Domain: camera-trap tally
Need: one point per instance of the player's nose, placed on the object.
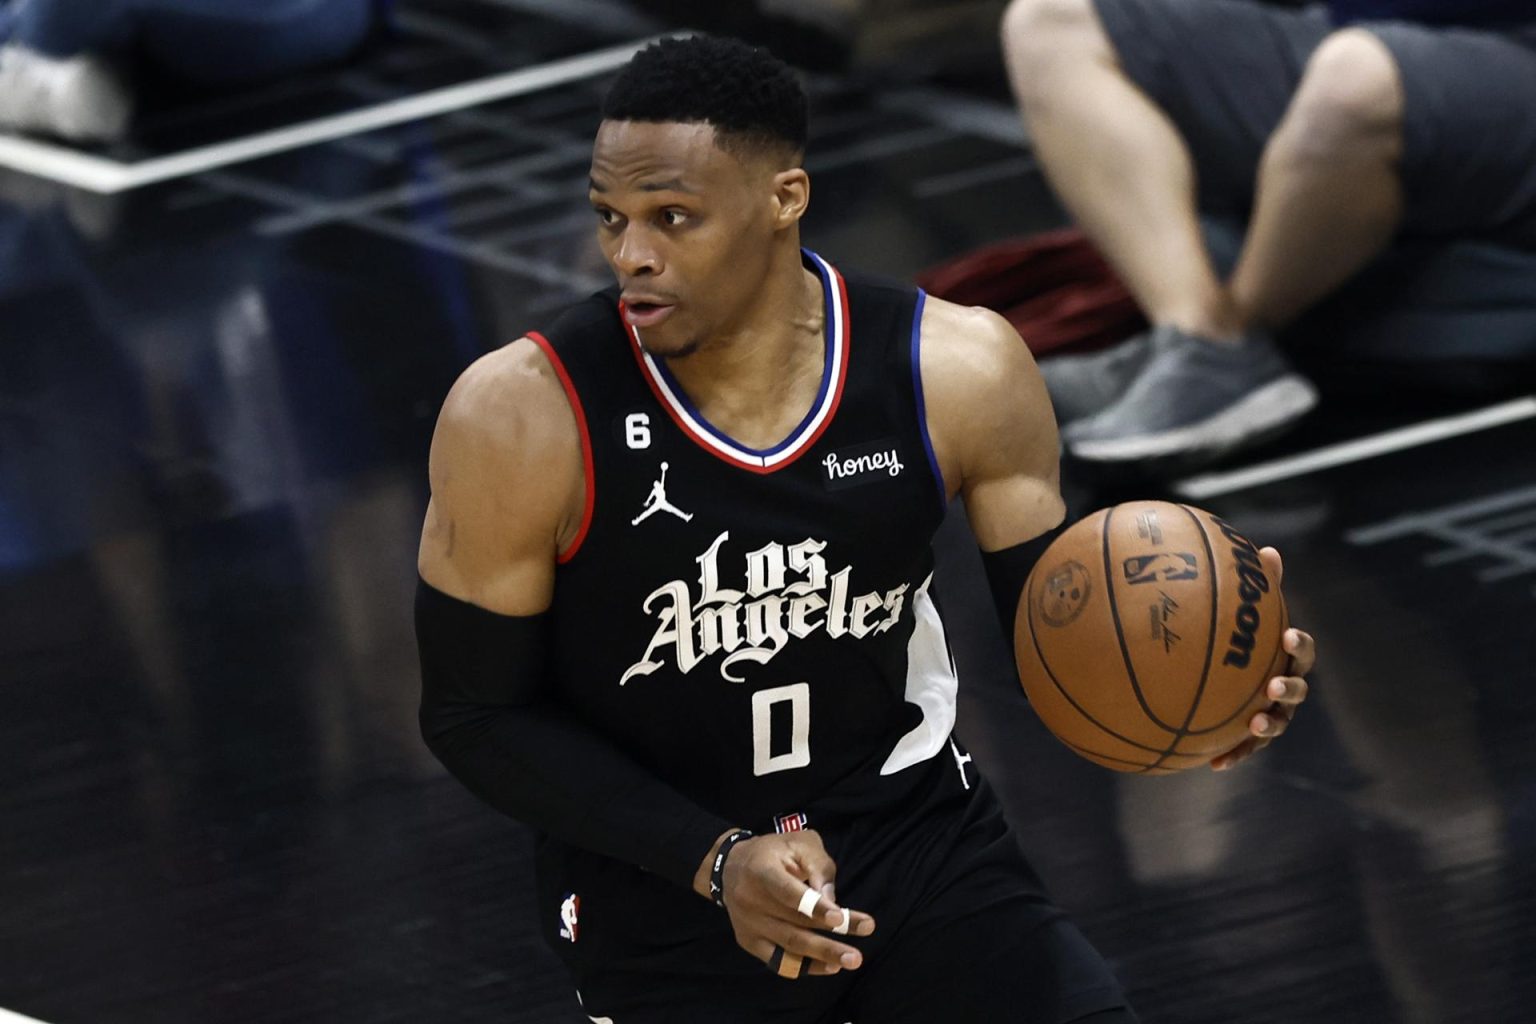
(636, 255)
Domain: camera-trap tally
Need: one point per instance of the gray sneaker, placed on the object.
(1195, 400)
(1083, 385)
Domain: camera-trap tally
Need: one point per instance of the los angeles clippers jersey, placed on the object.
(757, 627)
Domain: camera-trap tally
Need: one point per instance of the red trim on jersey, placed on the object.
(840, 297)
(842, 369)
(586, 444)
(661, 400)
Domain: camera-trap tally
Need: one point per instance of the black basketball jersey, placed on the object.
(756, 628)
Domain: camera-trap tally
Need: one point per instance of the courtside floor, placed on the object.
(216, 389)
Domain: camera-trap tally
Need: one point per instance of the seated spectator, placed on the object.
(66, 65)
(1332, 129)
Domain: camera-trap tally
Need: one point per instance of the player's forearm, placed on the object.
(488, 713)
(540, 766)
(1008, 570)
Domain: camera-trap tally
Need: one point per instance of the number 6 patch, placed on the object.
(637, 431)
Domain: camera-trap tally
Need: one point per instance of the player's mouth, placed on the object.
(646, 312)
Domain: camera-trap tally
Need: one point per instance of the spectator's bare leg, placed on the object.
(1329, 193)
(1116, 161)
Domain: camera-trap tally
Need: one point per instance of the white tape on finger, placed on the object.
(842, 926)
(808, 902)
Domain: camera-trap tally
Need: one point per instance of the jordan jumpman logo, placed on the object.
(657, 501)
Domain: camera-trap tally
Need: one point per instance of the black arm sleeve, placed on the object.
(488, 713)
(1008, 570)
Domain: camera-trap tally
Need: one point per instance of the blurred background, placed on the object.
(245, 248)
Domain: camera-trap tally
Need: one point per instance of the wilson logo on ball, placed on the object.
(1252, 585)
(1161, 568)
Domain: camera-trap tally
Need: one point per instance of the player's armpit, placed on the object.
(991, 423)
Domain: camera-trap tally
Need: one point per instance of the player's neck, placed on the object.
(756, 380)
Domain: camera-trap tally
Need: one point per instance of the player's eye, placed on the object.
(604, 215)
(673, 218)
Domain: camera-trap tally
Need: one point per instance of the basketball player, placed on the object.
(676, 613)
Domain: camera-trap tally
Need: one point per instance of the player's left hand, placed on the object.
(1286, 692)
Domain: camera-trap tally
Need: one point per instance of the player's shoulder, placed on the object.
(507, 406)
(507, 483)
(988, 412)
(974, 351)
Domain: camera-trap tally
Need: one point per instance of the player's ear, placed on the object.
(791, 196)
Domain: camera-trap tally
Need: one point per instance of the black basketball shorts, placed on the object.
(965, 934)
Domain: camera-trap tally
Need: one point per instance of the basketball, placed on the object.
(1147, 635)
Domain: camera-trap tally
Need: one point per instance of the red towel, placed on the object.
(1054, 288)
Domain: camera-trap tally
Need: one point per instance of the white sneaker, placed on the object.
(78, 98)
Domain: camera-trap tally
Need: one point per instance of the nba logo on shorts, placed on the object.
(789, 823)
(569, 908)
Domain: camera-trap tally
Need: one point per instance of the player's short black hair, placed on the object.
(750, 96)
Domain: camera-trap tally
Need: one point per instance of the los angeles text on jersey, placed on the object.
(789, 595)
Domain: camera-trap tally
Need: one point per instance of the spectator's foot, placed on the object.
(1193, 401)
(1081, 386)
(79, 98)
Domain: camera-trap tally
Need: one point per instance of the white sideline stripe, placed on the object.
(7, 1017)
(100, 174)
(65, 166)
(1210, 485)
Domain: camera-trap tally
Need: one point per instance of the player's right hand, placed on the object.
(765, 880)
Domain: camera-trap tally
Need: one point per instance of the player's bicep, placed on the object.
(1012, 488)
(1010, 510)
(502, 484)
(509, 570)
(993, 418)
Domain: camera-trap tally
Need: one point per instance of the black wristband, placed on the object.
(717, 870)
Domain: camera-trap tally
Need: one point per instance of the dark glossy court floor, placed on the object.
(215, 400)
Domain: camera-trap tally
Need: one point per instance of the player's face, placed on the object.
(686, 227)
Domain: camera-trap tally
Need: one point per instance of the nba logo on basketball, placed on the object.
(569, 908)
(1160, 568)
(789, 823)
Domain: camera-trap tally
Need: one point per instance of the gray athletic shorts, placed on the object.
(1225, 71)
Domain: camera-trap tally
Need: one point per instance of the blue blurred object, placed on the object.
(1436, 12)
(211, 42)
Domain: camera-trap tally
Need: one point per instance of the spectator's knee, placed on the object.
(1040, 35)
(1350, 100)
